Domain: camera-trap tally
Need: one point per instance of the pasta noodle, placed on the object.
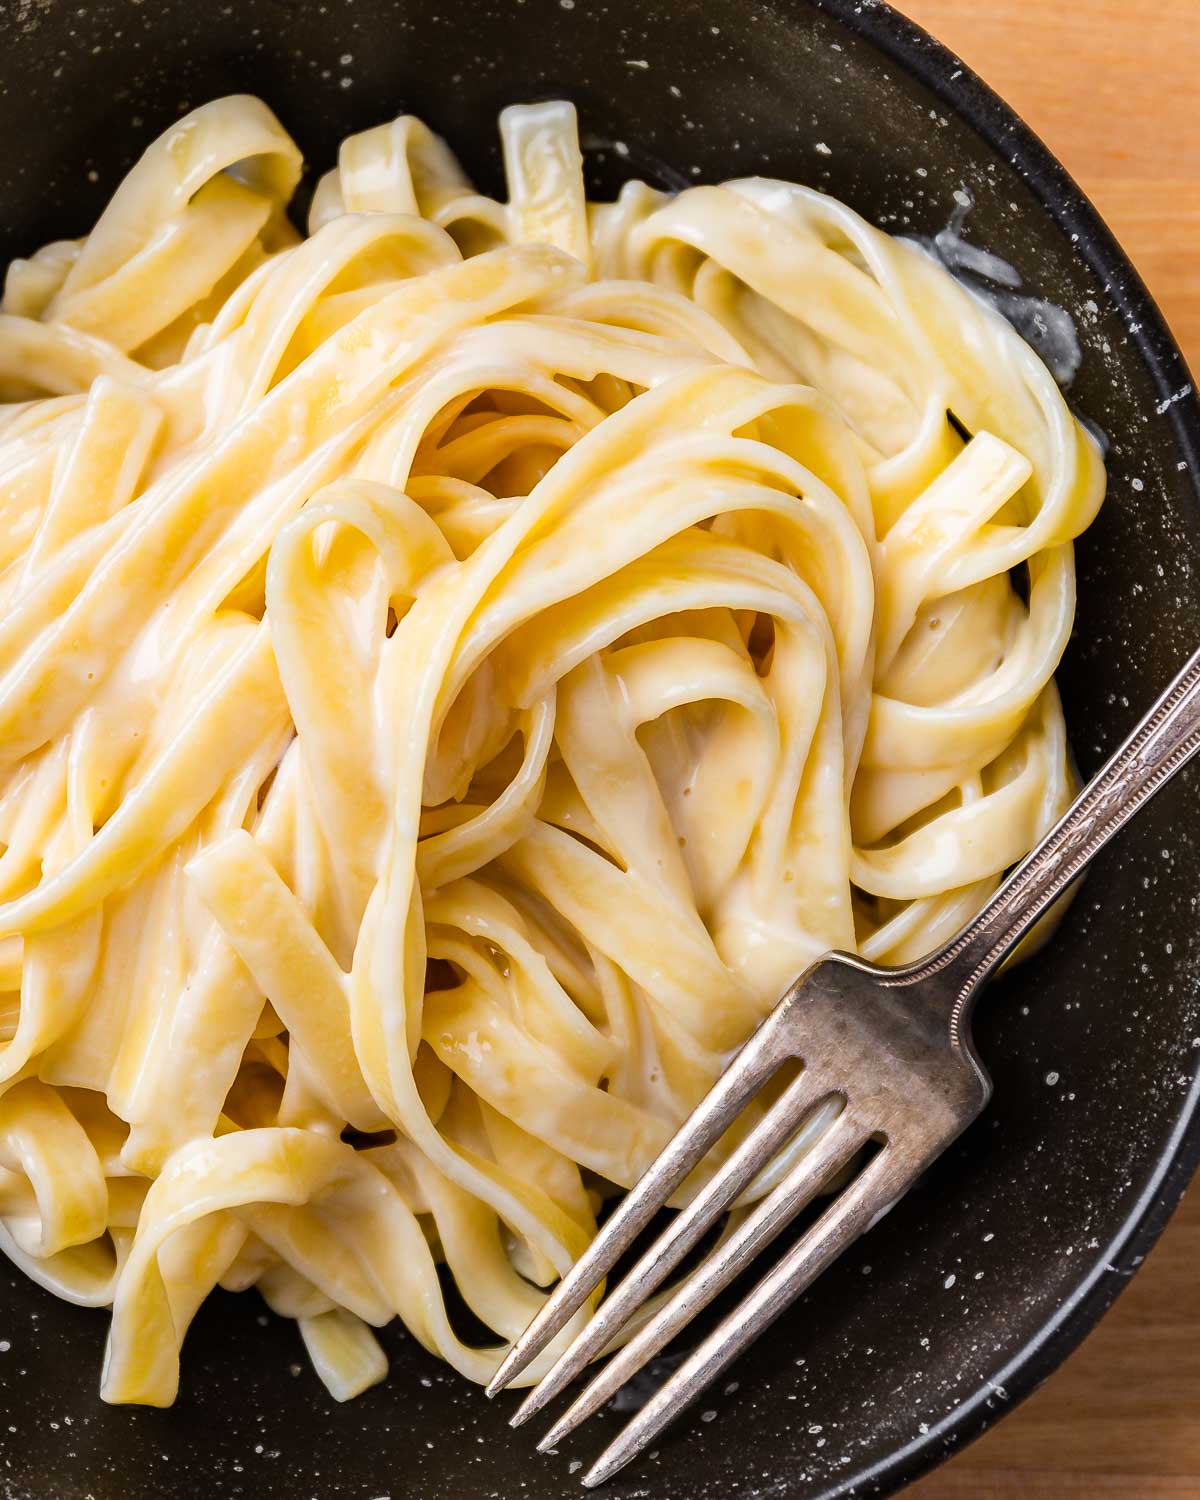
(456, 668)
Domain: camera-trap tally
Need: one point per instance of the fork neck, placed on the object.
(1164, 741)
(950, 981)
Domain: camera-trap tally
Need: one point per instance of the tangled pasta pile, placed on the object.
(455, 670)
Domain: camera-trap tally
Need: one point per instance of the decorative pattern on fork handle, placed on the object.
(1163, 741)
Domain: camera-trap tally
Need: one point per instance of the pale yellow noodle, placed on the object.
(455, 669)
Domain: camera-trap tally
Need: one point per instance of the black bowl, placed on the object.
(981, 1282)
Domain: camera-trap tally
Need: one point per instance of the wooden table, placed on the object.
(1113, 88)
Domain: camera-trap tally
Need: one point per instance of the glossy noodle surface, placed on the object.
(456, 668)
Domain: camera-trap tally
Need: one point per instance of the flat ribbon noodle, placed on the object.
(456, 668)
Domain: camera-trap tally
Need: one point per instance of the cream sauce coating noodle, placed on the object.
(456, 668)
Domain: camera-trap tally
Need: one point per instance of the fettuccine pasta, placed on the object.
(456, 669)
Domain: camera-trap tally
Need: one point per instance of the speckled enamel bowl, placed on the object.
(977, 1285)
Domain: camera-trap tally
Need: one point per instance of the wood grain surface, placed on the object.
(1113, 88)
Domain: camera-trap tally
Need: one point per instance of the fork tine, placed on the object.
(831, 1152)
(761, 1055)
(870, 1195)
(781, 1121)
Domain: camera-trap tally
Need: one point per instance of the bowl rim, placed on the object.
(952, 81)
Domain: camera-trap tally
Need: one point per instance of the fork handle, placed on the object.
(1163, 742)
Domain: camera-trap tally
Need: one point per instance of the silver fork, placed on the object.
(893, 1047)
